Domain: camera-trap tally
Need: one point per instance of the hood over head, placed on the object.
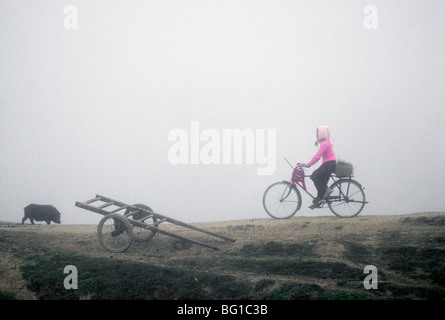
(323, 133)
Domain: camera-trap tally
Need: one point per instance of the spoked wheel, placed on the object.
(281, 200)
(141, 233)
(115, 233)
(347, 198)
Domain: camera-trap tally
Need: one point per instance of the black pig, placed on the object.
(41, 213)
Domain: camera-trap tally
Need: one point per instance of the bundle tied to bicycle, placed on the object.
(344, 169)
(298, 175)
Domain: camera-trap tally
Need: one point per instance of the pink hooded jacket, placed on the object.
(326, 152)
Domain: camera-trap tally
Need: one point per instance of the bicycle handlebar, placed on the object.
(299, 165)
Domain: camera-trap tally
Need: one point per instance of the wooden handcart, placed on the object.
(123, 223)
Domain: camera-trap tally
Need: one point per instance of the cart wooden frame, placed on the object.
(123, 223)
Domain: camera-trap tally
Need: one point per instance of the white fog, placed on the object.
(88, 110)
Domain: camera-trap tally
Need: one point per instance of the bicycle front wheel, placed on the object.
(347, 198)
(281, 200)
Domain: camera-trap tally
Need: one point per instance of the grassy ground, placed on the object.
(301, 258)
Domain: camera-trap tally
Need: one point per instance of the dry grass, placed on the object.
(265, 251)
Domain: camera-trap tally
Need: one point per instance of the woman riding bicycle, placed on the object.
(329, 160)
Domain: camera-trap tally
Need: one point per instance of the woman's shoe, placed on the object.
(315, 204)
(327, 193)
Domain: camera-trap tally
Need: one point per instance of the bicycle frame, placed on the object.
(343, 194)
(295, 184)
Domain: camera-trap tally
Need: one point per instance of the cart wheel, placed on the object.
(141, 233)
(115, 233)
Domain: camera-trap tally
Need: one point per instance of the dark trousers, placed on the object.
(321, 178)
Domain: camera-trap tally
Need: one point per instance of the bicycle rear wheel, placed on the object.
(281, 200)
(347, 198)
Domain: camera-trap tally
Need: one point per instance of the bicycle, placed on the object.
(282, 199)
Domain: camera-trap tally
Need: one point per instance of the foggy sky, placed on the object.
(89, 111)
